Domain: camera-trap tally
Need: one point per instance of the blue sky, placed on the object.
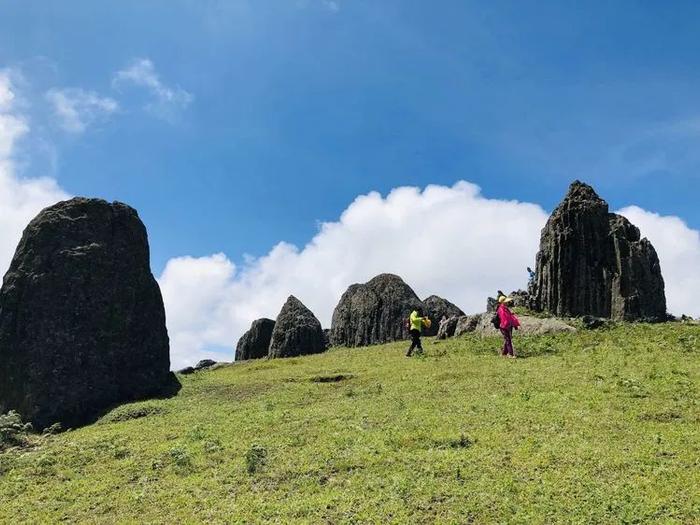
(299, 106)
(234, 125)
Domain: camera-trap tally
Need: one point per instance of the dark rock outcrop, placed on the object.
(255, 343)
(593, 262)
(447, 328)
(296, 332)
(436, 308)
(82, 323)
(374, 312)
(204, 364)
(591, 323)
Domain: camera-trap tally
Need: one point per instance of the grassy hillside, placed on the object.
(594, 427)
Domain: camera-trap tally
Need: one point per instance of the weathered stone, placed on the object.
(591, 323)
(435, 309)
(186, 371)
(592, 262)
(327, 337)
(528, 326)
(468, 323)
(491, 304)
(204, 363)
(255, 343)
(447, 327)
(82, 323)
(374, 313)
(297, 332)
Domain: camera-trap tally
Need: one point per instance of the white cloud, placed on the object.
(167, 100)
(20, 199)
(678, 247)
(445, 240)
(76, 108)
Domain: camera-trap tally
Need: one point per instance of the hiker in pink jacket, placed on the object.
(508, 322)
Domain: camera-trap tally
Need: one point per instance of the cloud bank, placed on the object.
(678, 247)
(451, 241)
(20, 199)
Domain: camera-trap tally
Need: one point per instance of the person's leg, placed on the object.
(509, 342)
(414, 343)
(504, 350)
(418, 343)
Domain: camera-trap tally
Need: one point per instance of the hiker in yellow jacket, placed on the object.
(417, 321)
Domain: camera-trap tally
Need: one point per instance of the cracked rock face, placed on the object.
(593, 262)
(256, 341)
(296, 332)
(374, 312)
(82, 323)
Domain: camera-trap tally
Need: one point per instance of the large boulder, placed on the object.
(468, 323)
(436, 308)
(447, 327)
(255, 343)
(82, 323)
(296, 332)
(593, 262)
(374, 312)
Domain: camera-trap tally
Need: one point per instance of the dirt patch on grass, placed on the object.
(668, 416)
(331, 378)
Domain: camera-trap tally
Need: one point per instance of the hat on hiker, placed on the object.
(503, 299)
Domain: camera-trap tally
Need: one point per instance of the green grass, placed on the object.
(593, 427)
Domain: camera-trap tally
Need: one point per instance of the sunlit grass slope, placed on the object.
(593, 427)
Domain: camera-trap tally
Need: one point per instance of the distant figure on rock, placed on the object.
(417, 321)
(508, 321)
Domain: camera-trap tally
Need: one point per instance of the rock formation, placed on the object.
(468, 323)
(374, 312)
(255, 343)
(82, 323)
(447, 328)
(296, 332)
(592, 262)
(437, 307)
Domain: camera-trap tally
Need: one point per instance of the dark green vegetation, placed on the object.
(594, 427)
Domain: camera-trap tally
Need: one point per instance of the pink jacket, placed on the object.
(508, 319)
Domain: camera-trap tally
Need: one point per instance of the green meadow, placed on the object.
(593, 427)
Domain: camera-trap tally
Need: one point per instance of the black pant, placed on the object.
(415, 341)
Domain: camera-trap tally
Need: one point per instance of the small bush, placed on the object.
(13, 431)
(255, 458)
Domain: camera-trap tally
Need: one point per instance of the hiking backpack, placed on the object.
(496, 320)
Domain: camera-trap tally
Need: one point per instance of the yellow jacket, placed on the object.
(416, 321)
